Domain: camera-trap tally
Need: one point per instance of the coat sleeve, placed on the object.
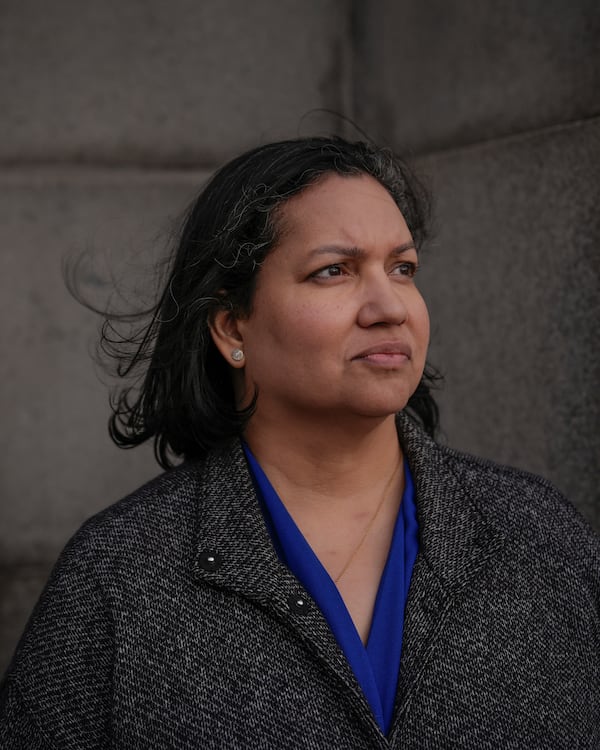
(57, 690)
(17, 725)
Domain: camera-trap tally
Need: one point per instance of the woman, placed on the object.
(318, 572)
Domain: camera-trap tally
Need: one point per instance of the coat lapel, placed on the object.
(455, 545)
(234, 552)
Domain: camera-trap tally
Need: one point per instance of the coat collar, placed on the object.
(234, 552)
(456, 545)
(454, 536)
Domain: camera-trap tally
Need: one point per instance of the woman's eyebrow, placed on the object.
(404, 247)
(356, 252)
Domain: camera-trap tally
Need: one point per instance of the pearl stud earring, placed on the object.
(237, 355)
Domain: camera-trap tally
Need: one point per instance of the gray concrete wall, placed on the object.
(438, 74)
(114, 113)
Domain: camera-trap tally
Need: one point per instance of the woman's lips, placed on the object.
(384, 358)
(385, 354)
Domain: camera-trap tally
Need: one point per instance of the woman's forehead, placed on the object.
(342, 209)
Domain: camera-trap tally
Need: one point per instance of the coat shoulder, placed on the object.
(525, 507)
(157, 514)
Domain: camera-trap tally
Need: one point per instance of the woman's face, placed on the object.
(338, 327)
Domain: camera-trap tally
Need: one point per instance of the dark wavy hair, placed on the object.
(182, 395)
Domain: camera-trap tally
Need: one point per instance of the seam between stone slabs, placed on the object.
(507, 139)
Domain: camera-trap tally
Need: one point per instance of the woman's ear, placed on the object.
(225, 333)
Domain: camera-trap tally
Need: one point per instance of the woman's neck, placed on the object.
(336, 460)
(343, 488)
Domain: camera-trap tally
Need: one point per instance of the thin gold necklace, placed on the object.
(371, 522)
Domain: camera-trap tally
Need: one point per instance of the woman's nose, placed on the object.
(383, 302)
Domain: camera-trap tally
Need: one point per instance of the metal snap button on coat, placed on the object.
(210, 561)
(298, 603)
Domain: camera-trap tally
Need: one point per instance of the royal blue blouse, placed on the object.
(377, 664)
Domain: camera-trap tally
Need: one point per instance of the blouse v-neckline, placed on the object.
(376, 665)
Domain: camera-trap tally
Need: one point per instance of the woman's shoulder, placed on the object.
(510, 493)
(525, 507)
(137, 547)
(129, 561)
(159, 508)
(156, 524)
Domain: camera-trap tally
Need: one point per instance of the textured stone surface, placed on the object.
(57, 465)
(513, 284)
(154, 82)
(437, 74)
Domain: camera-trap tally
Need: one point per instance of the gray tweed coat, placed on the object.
(169, 622)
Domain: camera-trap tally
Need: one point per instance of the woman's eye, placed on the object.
(407, 268)
(328, 272)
